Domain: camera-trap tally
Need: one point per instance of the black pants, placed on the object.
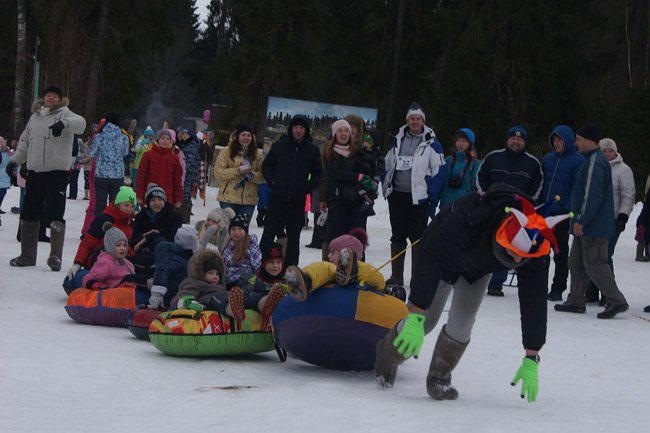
(105, 189)
(561, 259)
(282, 215)
(49, 187)
(74, 181)
(407, 221)
(341, 218)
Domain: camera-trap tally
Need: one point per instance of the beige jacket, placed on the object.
(226, 170)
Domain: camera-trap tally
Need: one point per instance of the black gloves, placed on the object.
(57, 128)
(11, 169)
(23, 171)
(620, 222)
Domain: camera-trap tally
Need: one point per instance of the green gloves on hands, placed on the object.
(529, 380)
(409, 341)
(188, 302)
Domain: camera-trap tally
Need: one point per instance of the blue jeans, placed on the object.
(240, 209)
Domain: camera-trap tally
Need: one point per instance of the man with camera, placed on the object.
(516, 167)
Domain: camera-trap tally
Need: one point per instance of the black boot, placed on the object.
(612, 310)
(397, 266)
(568, 307)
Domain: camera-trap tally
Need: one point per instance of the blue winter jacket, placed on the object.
(592, 198)
(109, 148)
(559, 170)
(455, 169)
(5, 180)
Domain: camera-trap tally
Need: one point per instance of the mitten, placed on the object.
(157, 296)
(365, 182)
(189, 303)
(527, 373)
(322, 219)
(409, 341)
(209, 233)
(73, 271)
(57, 128)
(11, 169)
(621, 220)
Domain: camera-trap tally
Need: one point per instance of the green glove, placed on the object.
(409, 341)
(530, 382)
(366, 182)
(188, 302)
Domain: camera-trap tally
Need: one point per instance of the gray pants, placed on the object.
(464, 306)
(588, 262)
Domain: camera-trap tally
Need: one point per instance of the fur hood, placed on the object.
(36, 106)
(195, 264)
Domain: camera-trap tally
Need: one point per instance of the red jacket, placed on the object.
(94, 239)
(162, 167)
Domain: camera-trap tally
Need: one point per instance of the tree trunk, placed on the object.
(19, 87)
(92, 91)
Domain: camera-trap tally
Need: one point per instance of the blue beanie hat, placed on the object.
(517, 131)
(467, 134)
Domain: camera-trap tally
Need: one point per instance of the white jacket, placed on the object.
(623, 186)
(427, 160)
(40, 149)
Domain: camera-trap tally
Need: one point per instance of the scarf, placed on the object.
(344, 151)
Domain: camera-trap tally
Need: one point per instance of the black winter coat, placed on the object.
(167, 222)
(342, 175)
(287, 169)
(521, 170)
(459, 241)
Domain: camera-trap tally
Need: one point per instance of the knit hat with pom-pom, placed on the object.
(356, 240)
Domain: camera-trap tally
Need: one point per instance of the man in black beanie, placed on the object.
(592, 224)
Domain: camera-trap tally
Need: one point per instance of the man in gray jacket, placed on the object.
(46, 147)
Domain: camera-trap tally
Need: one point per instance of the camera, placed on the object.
(454, 182)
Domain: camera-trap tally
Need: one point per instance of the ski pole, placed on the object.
(399, 254)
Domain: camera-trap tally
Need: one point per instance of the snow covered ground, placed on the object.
(57, 375)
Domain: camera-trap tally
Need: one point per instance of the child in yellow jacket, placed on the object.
(344, 268)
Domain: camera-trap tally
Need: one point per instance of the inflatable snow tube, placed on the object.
(106, 307)
(208, 333)
(336, 328)
(139, 320)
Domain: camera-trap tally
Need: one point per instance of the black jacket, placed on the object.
(459, 241)
(521, 170)
(292, 169)
(167, 222)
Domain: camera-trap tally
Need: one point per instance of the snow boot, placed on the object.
(283, 243)
(57, 237)
(86, 191)
(387, 360)
(397, 266)
(640, 253)
(28, 244)
(346, 271)
(272, 300)
(445, 358)
(236, 303)
(298, 285)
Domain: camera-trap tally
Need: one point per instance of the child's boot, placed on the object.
(236, 303)
(272, 300)
(296, 283)
(346, 272)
